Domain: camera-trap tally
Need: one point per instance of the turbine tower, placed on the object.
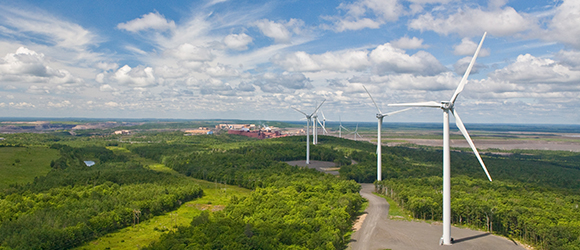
(340, 127)
(380, 117)
(448, 106)
(308, 117)
(314, 129)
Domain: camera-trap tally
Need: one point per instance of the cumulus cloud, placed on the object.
(138, 76)
(461, 66)
(564, 25)
(151, 21)
(388, 59)
(409, 43)
(221, 70)
(470, 22)
(63, 104)
(569, 58)
(468, 47)
(189, 52)
(531, 69)
(29, 66)
(281, 32)
(363, 14)
(237, 41)
(279, 83)
(334, 61)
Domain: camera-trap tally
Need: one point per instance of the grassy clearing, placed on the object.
(216, 197)
(21, 164)
(395, 212)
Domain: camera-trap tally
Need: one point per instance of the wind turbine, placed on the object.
(380, 116)
(448, 106)
(308, 117)
(323, 124)
(340, 127)
(355, 132)
(314, 129)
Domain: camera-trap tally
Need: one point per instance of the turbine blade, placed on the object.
(344, 128)
(323, 117)
(461, 127)
(377, 106)
(318, 107)
(322, 126)
(464, 79)
(418, 104)
(398, 111)
(300, 111)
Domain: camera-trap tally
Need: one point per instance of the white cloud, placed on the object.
(189, 52)
(107, 66)
(409, 43)
(29, 66)
(21, 105)
(280, 32)
(138, 76)
(47, 28)
(468, 47)
(470, 22)
(279, 83)
(153, 21)
(363, 14)
(564, 26)
(237, 41)
(388, 59)
(530, 69)
(334, 61)
(63, 104)
(461, 66)
(569, 58)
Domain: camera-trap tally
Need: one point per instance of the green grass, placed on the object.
(21, 164)
(215, 198)
(395, 212)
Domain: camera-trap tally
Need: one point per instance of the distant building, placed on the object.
(235, 126)
(122, 132)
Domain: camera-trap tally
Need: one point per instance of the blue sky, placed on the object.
(257, 59)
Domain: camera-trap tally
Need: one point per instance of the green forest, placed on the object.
(62, 203)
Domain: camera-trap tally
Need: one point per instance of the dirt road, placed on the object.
(378, 232)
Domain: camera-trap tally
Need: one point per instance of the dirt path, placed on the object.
(378, 232)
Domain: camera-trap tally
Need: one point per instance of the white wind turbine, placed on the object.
(380, 117)
(308, 118)
(448, 106)
(355, 132)
(340, 127)
(323, 124)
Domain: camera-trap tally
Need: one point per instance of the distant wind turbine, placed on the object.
(308, 118)
(448, 106)
(355, 132)
(380, 117)
(340, 127)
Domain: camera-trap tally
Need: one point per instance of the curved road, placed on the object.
(378, 232)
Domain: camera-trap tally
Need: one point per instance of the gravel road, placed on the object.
(378, 232)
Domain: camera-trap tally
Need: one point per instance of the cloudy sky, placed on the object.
(257, 59)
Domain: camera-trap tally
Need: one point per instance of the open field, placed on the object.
(20, 165)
